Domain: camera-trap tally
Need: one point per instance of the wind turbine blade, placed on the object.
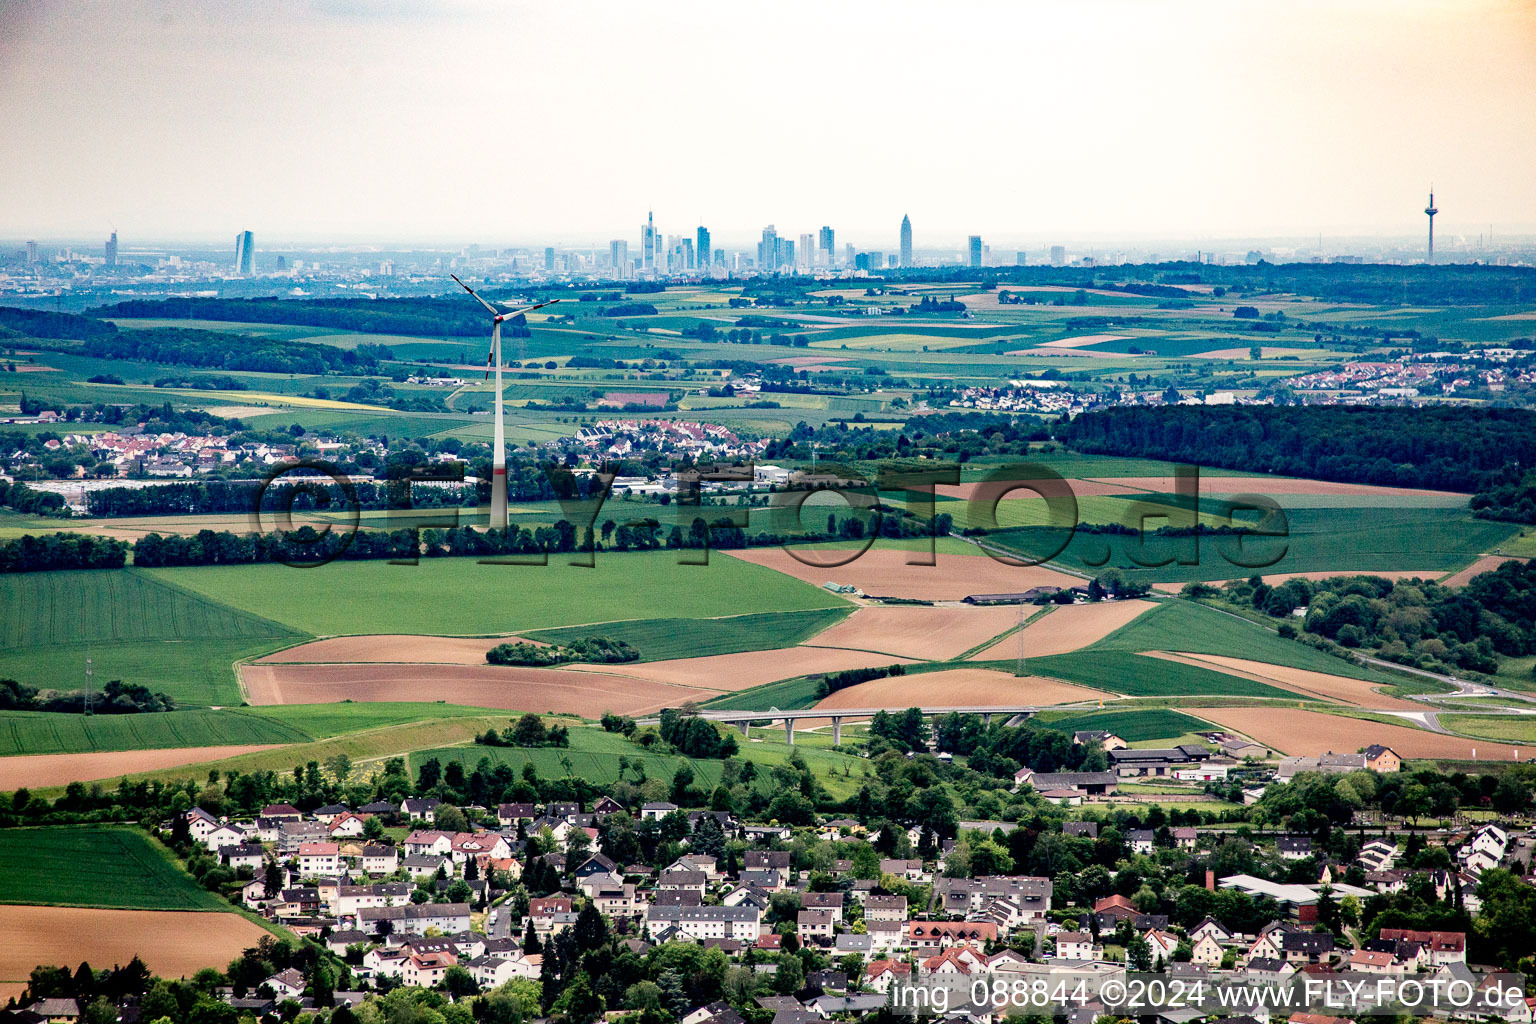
(487, 305)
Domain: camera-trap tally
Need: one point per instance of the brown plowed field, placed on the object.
(1309, 733)
(884, 572)
(1323, 685)
(917, 631)
(488, 686)
(1067, 628)
(958, 686)
(173, 943)
(1271, 485)
(720, 672)
(38, 770)
(389, 647)
(1487, 563)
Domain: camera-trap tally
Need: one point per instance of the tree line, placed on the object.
(1454, 449)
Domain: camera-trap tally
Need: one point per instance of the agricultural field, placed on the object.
(594, 755)
(30, 732)
(461, 596)
(87, 866)
(172, 944)
(1138, 675)
(1365, 538)
(1151, 725)
(659, 639)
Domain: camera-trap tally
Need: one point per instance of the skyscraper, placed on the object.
(768, 250)
(549, 259)
(648, 241)
(807, 250)
(975, 247)
(112, 250)
(702, 245)
(32, 253)
(1059, 255)
(245, 253)
(826, 245)
(906, 241)
(618, 256)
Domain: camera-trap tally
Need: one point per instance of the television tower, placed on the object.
(1431, 211)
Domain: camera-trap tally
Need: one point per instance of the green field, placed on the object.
(659, 639)
(193, 672)
(594, 756)
(113, 604)
(1131, 726)
(1352, 539)
(460, 596)
(786, 695)
(28, 732)
(1136, 675)
(1190, 628)
(118, 868)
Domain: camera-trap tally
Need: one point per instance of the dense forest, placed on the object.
(450, 315)
(183, 346)
(1442, 448)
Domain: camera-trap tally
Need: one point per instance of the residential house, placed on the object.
(317, 859)
(814, 925)
(380, 860)
(656, 810)
(449, 918)
(245, 855)
(928, 937)
(699, 923)
(885, 908)
(419, 809)
(1075, 946)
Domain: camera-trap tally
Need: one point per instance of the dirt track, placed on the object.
(37, 770)
(918, 631)
(490, 686)
(1067, 628)
(173, 943)
(958, 686)
(389, 647)
(1309, 733)
(739, 671)
(1487, 563)
(884, 572)
(1324, 685)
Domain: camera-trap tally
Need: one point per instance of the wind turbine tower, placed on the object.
(499, 446)
(1430, 211)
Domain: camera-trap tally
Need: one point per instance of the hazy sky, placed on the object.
(512, 122)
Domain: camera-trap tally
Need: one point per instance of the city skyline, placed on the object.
(1120, 140)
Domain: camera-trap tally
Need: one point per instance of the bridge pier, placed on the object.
(746, 726)
(837, 732)
(789, 731)
(986, 719)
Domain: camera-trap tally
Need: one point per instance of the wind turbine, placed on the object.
(499, 447)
